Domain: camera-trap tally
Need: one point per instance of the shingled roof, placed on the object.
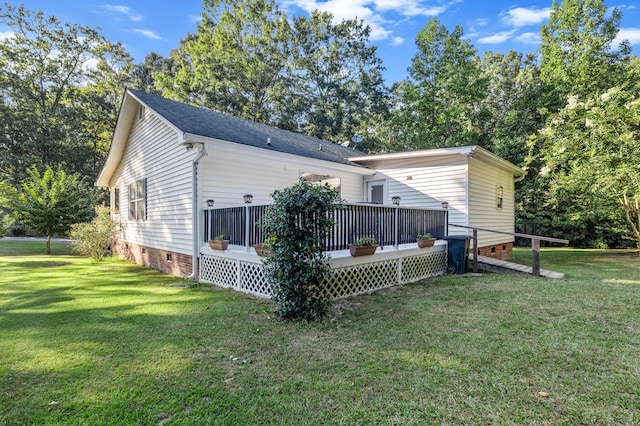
(212, 124)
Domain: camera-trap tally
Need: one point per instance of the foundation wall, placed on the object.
(502, 251)
(169, 262)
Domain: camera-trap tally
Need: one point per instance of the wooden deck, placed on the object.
(496, 265)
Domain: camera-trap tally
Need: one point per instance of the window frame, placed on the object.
(138, 200)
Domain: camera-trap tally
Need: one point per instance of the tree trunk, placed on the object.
(48, 244)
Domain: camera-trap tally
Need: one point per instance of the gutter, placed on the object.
(195, 217)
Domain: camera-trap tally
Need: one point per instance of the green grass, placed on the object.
(114, 343)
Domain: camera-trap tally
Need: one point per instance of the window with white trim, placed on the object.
(116, 200)
(499, 197)
(138, 200)
(317, 179)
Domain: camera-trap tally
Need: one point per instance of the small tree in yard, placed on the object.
(93, 239)
(295, 228)
(51, 202)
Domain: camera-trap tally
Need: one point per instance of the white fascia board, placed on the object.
(262, 153)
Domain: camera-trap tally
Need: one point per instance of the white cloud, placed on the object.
(374, 13)
(630, 34)
(397, 41)
(124, 10)
(522, 17)
(5, 35)
(529, 38)
(147, 33)
(496, 38)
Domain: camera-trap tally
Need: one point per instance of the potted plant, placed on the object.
(425, 240)
(262, 250)
(363, 246)
(219, 243)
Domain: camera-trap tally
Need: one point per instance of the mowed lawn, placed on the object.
(114, 343)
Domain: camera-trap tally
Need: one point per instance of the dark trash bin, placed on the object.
(457, 253)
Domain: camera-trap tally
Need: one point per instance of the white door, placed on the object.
(375, 192)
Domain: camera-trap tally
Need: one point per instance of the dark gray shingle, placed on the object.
(212, 124)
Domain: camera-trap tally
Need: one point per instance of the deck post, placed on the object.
(535, 257)
(475, 251)
(247, 228)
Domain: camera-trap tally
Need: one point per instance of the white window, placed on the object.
(138, 200)
(317, 179)
(499, 196)
(116, 200)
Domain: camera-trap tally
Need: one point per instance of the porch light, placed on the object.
(396, 200)
(445, 205)
(210, 203)
(248, 198)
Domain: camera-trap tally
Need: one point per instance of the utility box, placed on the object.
(457, 253)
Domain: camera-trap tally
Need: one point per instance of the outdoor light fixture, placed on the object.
(210, 203)
(248, 198)
(445, 205)
(396, 200)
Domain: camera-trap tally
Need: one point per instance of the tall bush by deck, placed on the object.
(295, 227)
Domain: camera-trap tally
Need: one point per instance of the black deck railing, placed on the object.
(389, 225)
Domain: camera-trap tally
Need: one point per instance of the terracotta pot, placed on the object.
(426, 243)
(362, 250)
(219, 244)
(261, 250)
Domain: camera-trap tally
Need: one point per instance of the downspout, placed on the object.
(195, 214)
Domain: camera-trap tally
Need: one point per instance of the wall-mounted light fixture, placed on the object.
(210, 203)
(445, 205)
(396, 200)
(248, 198)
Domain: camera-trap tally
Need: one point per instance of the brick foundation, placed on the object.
(169, 262)
(502, 251)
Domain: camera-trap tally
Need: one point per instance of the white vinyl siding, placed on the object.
(154, 153)
(484, 181)
(225, 176)
(426, 182)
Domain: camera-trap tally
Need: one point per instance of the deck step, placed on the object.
(498, 265)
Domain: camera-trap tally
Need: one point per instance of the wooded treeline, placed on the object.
(568, 113)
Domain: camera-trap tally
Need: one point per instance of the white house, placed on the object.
(168, 158)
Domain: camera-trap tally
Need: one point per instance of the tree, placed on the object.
(44, 63)
(438, 101)
(52, 201)
(235, 62)
(591, 153)
(295, 226)
(577, 57)
(335, 78)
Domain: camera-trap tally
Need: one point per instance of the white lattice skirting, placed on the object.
(241, 270)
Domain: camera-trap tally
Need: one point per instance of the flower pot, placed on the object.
(261, 250)
(426, 243)
(362, 250)
(219, 244)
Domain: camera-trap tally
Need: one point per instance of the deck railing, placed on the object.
(389, 225)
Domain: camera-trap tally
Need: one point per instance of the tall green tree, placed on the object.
(52, 201)
(235, 62)
(439, 101)
(592, 164)
(45, 63)
(336, 78)
(577, 56)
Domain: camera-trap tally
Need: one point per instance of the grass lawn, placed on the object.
(114, 343)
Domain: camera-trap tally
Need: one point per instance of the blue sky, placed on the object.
(158, 25)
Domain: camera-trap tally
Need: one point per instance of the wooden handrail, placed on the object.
(535, 245)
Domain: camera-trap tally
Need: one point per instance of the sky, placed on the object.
(498, 25)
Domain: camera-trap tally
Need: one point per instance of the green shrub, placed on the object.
(93, 239)
(6, 222)
(295, 227)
